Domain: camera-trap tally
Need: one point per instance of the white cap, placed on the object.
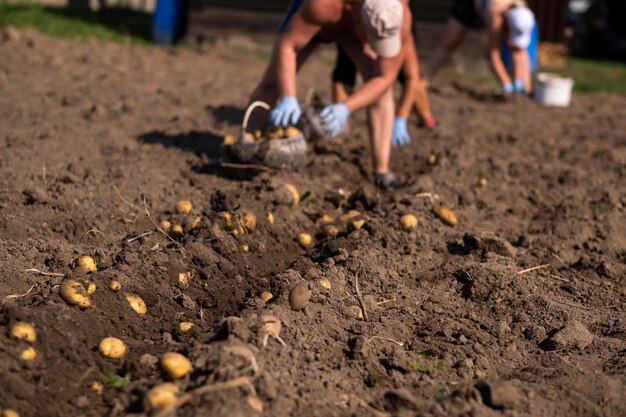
(382, 20)
(521, 22)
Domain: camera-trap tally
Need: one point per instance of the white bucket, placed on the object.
(552, 89)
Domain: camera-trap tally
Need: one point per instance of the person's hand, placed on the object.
(334, 118)
(400, 136)
(507, 88)
(519, 87)
(287, 112)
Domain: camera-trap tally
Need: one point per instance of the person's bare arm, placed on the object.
(494, 36)
(304, 25)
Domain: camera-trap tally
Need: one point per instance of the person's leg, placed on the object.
(343, 76)
(454, 35)
(380, 113)
(417, 87)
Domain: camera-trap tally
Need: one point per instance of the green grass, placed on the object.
(126, 27)
(591, 75)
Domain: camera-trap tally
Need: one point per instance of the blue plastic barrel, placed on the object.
(533, 52)
(166, 21)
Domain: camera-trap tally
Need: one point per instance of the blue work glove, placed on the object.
(287, 112)
(400, 136)
(507, 88)
(334, 118)
(519, 87)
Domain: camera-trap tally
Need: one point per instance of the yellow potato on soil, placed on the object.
(229, 140)
(350, 215)
(445, 215)
(91, 288)
(325, 283)
(28, 354)
(8, 412)
(228, 218)
(271, 324)
(184, 207)
(292, 132)
(23, 331)
(300, 295)
(432, 159)
(356, 312)
(185, 326)
(161, 396)
(275, 132)
(112, 348)
(357, 224)
(174, 365)
(408, 222)
(74, 293)
(330, 230)
(177, 230)
(87, 262)
(305, 240)
(97, 387)
(184, 278)
(192, 222)
(248, 219)
(255, 403)
(294, 192)
(165, 225)
(137, 304)
(266, 296)
(325, 219)
(483, 182)
(115, 285)
(270, 218)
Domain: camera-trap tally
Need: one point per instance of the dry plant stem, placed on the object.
(124, 199)
(132, 239)
(534, 268)
(564, 264)
(47, 274)
(8, 297)
(401, 344)
(163, 232)
(358, 295)
(242, 381)
(246, 166)
(385, 302)
(94, 231)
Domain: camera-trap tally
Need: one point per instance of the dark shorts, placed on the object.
(465, 12)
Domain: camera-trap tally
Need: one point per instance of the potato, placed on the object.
(357, 224)
(177, 230)
(432, 159)
(229, 140)
(325, 219)
(483, 182)
(165, 225)
(137, 304)
(184, 278)
(356, 312)
(112, 348)
(160, 397)
(258, 134)
(97, 387)
(248, 219)
(275, 132)
(91, 288)
(300, 295)
(294, 192)
(192, 222)
(270, 218)
(28, 354)
(408, 222)
(325, 283)
(185, 326)
(330, 230)
(23, 331)
(271, 324)
(255, 403)
(292, 132)
(184, 207)
(305, 240)
(8, 412)
(445, 215)
(87, 263)
(349, 216)
(228, 218)
(245, 248)
(174, 365)
(115, 285)
(74, 293)
(266, 296)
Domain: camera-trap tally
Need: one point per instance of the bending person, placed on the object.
(374, 33)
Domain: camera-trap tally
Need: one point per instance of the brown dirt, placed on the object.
(454, 328)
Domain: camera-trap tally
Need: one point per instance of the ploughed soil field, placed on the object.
(517, 310)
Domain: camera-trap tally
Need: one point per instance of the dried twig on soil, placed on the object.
(559, 278)
(385, 302)
(534, 268)
(8, 297)
(163, 232)
(94, 231)
(47, 274)
(246, 166)
(358, 294)
(564, 264)
(124, 199)
(242, 381)
(401, 344)
(132, 239)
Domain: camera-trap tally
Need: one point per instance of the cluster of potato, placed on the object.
(271, 133)
(25, 332)
(184, 221)
(409, 222)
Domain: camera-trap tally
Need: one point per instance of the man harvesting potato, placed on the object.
(374, 33)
